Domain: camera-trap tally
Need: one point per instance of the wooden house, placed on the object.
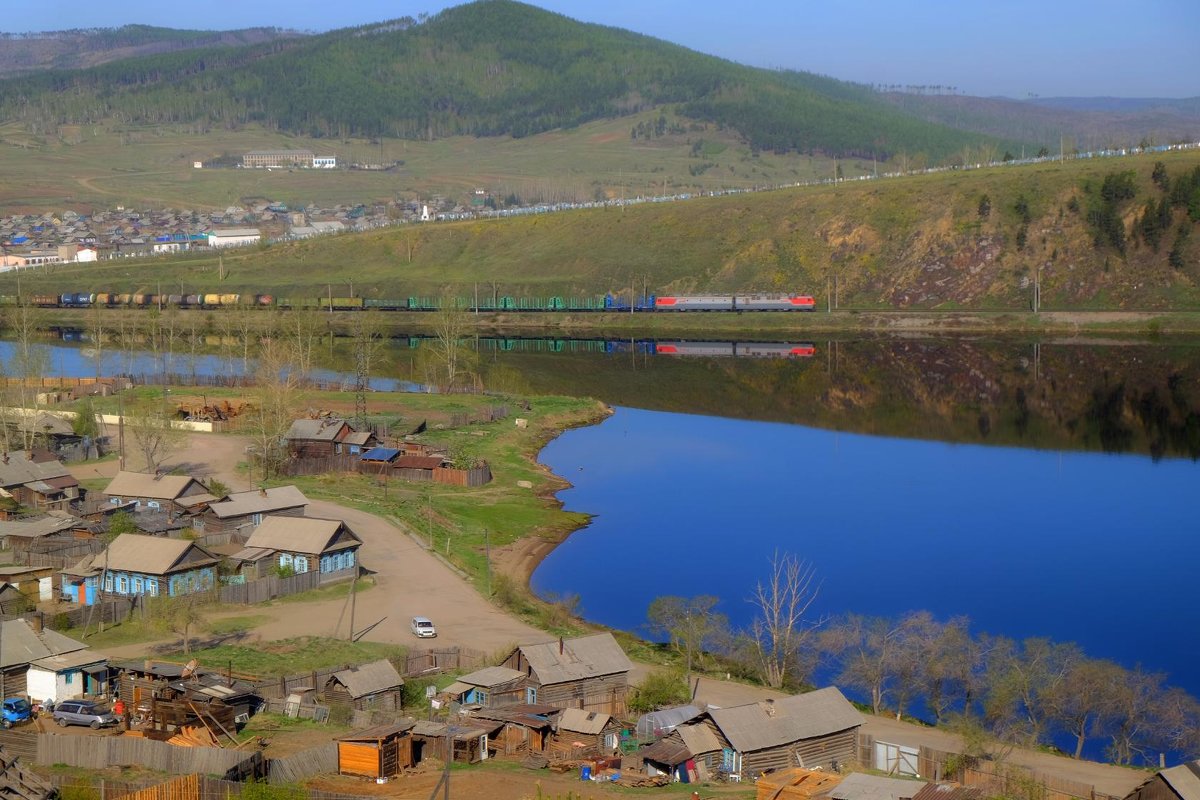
(171, 493)
(318, 438)
(244, 510)
(686, 742)
(490, 687)
(1177, 783)
(305, 544)
(376, 685)
(378, 752)
(19, 536)
(46, 665)
(37, 480)
(590, 673)
(36, 583)
(816, 729)
(469, 737)
(134, 565)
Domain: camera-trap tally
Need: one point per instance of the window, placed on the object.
(256, 519)
(152, 504)
(152, 587)
(108, 582)
(123, 584)
(301, 564)
(68, 678)
(285, 559)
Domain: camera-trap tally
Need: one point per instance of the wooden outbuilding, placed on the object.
(1177, 783)
(527, 728)
(586, 734)
(243, 510)
(378, 752)
(375, 686)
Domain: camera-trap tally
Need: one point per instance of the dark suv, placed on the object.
(82, 712)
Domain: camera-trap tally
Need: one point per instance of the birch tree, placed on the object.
(782, 628)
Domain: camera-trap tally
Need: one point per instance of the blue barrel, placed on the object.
(585, 772)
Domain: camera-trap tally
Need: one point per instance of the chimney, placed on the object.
(36, 623)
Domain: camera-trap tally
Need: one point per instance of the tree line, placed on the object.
(1022, 692)
(482, 69)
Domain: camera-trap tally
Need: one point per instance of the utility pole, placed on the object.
(487, 556)
(121, 431)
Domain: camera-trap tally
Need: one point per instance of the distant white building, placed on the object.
(425, 217)
(234, 237)
(324, 162)
(86, 254)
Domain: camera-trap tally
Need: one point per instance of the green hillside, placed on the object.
(490, 68)
(1097, 234)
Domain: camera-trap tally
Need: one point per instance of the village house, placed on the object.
(171, 493)
(135, 565)
(527, 728)
(19, 536)
(45, 665)
(36, 583)
(1177, 783)
(379, 752)
(814, 730)
(376, 685)
(686, 742)
(586, 734)
(244, 510)
(304, 544)
(37, 480)
(490, 687)
(318, 438)
(590, 673)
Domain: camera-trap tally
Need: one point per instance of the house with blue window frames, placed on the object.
(141, 565)
(170, 493)
(304, 544)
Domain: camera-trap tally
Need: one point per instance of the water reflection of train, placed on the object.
(543, 345)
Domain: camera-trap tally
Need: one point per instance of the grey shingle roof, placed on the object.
(491, 676)
(368, 679)
(149, 555)
(20, 644)
(32, 529)
(315, 429)
(585, 657)
(142, 484)
(259, 502)
(859, 786)
(757, 726)
(577, 720)
(1184, 779)
(16, 469)
(299, 535)
(698, 739)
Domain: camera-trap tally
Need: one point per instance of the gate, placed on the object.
(895, 759)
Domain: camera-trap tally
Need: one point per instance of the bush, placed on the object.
(660, 690)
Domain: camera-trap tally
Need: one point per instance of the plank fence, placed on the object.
(295, 768)
(101, 752)
(268, 588)
(1003, 779)
(107, 611)
(21, 743)
(183, 787)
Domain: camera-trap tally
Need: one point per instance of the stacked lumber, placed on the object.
(642, 781)
(796, 783)
(18, 783)
(194, 736)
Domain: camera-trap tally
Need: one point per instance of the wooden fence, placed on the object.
(107, 611)
(1003, 779)
(21, 743)
(295, 768)
(416, 663)
(268, 588)
(101, 752)
(183, 787)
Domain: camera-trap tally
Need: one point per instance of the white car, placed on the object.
(423, 628)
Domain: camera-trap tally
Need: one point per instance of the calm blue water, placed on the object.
(1097, 549)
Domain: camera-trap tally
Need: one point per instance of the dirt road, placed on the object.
(410, 580)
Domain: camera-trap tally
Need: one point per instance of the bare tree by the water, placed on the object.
(782, 629)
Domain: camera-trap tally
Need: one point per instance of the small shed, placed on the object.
(378, 752)
(585, 734)
(526, 727)
(376, 685)
(469, 736)
(1177, 783)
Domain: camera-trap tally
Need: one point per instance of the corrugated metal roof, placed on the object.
(368, 679)
(757, 726)
(142, 484)
(953, 791)
(20, 644)
(698, 738)
(70, 661)
(298, 535)
(380, 454)
(578, 720)
(859, 786)
(259, 501)
(492, 676)
(585, 657)
(378, 732)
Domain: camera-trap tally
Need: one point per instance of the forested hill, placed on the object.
(82, 48)
(489, 68)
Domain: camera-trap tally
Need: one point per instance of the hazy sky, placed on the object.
(1003, 47)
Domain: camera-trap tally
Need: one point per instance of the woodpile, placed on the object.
(194, 736)
(642, 781)
(18, 783)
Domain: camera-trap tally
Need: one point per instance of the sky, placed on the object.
(1014, 48)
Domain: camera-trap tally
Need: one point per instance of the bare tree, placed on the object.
(1083, 700)
(781, 628)
(276, 398)
(451, 355)
(154, 438)
(691, 623)
(97, 332)
(1020, 682)
(30, 361)
(866, 648)
(306, 327)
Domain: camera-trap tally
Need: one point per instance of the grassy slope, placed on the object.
(909, 242)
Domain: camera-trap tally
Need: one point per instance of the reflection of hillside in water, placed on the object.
(1138, 398)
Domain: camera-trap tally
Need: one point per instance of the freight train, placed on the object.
(609, 303)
